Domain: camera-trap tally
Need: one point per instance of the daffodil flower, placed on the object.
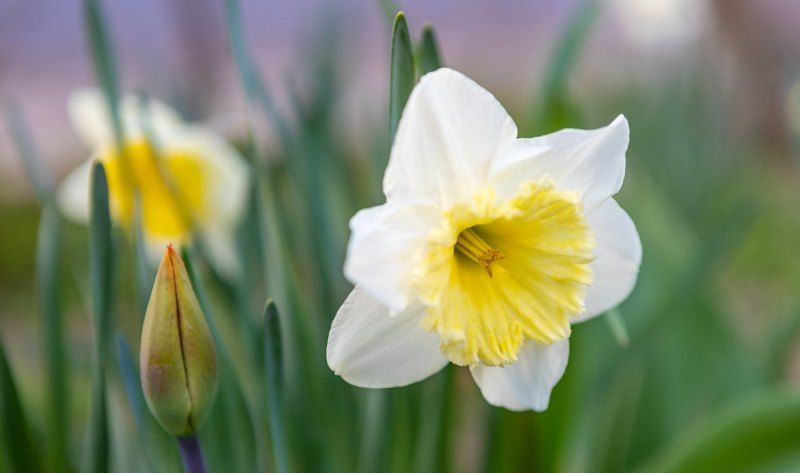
(488, 248)
(187, 179)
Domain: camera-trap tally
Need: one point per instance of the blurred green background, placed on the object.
(701, 376)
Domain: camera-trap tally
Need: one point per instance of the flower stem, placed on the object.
(191, 454)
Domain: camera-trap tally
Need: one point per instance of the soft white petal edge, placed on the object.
(450, 130)
(88, 114)
(526, 384)
(591, 162)
(72, 195)
(370, 349)
(383, 245)
(617, 259)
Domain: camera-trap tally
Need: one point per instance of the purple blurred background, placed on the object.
(177, 51)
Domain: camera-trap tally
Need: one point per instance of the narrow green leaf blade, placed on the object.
(22, 455)
(751, 436)
(105, 68)
(428, 58)
(100, 256)
(273, 364)
(388, 8)
(554, 111)
(616, 324)
(100, 287)
(55, 356)
(401, 73)
(40, 179)
(374, 439)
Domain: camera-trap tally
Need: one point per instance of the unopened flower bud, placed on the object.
(178, 360)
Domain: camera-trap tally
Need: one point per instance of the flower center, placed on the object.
(170, 185)
(470, 244)
(535, 249)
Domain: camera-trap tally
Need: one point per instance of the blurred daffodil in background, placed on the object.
(187, 179)
(487, 249)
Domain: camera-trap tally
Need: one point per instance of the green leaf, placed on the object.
(100, 258)
(374, 440)
(428, 58)
(20, 451)
(388, 8)
(616, 324)
(554, 111)
(431, 426)
(55, 356)
(401, 74)
(228, 435)
(753, 436)
(40, 179)
(105, 68)
(253, 86)
(273, 365)
(143, 273)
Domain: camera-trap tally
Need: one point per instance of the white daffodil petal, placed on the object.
(617, 259)
(383, 245)
(591, 162)
(527, 383)
(88, 114)
(450, 130)
(371, 349)
(72, 196)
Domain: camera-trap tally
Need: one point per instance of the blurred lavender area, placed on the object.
(177, 51)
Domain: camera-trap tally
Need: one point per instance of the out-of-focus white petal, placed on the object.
(450, 131)
(72, 195)
(527, 383)
(88, 113)
(617, 259)
(371, 349)
(228, 179)
(384, 244)
(591, 162)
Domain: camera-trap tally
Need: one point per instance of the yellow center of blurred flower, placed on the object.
(170, 185)
(494, 275)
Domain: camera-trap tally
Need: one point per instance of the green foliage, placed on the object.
(19, 452)
(427, 54)
(757, 435)
(402, 76)
(100, 274)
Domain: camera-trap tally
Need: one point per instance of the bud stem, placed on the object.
(191, 454)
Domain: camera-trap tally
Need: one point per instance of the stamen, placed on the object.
(471, 245)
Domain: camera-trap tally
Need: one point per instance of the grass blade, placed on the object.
(19, 449)
(616, 324)
(105, 68)
(554, 112)
(752, 436)
(401, 74)
(388, 9)
(55, 356)
(228, 434)
(273, 365)
(428, 58)
(41, 181)
(100, 286)
(374, 439)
